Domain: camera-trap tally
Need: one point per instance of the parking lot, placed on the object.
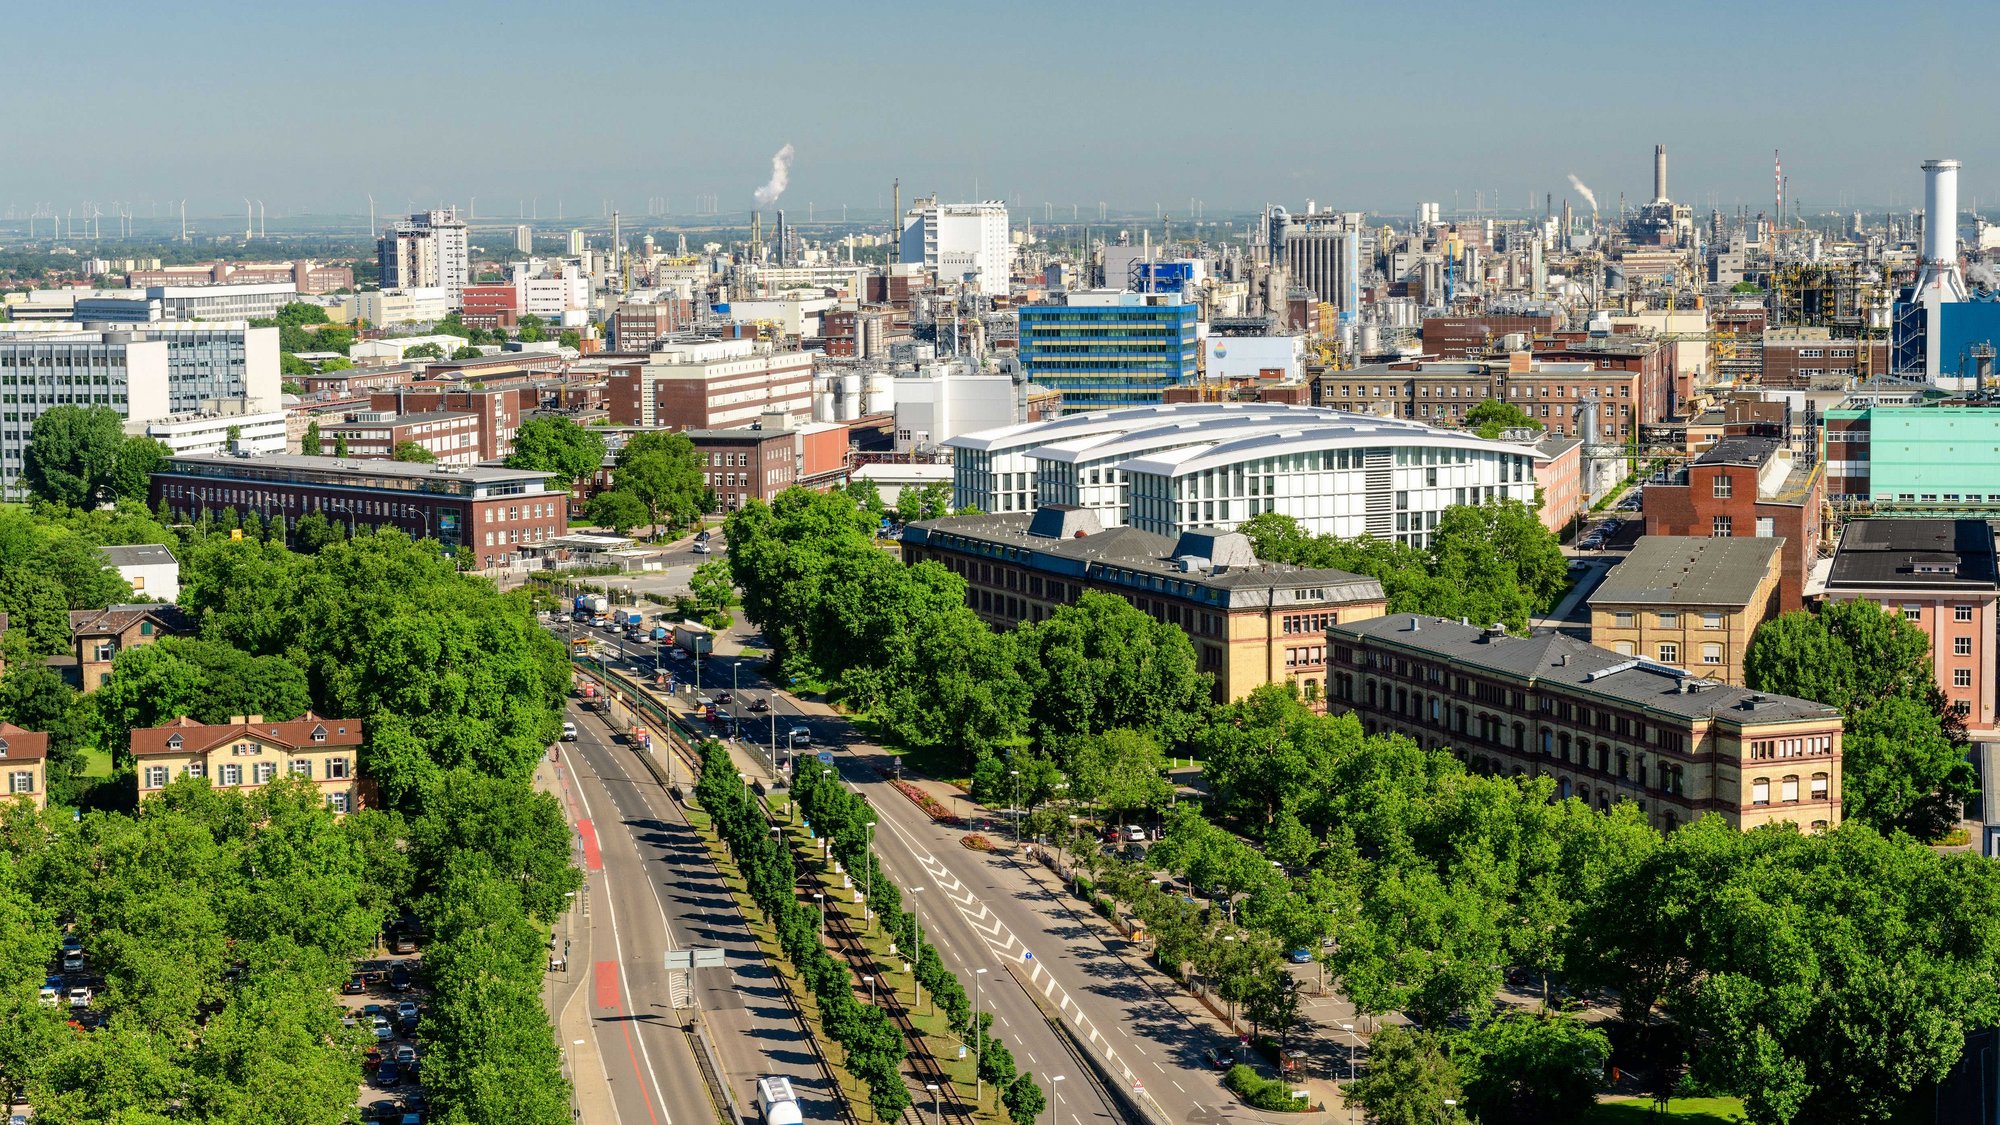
(387, 996)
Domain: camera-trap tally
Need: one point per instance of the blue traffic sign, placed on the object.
(826, 756)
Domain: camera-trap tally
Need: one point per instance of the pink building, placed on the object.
(1559, 480)
(1940, 575)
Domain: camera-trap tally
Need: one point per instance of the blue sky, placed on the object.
(1355, 105)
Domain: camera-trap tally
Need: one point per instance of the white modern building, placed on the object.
(149, 568)
(960, 241)
(941, 400)
(217, 431)
(1254, 357)
(375, 353)
(210, 366)
(158, 304)
(1170, 468)
(428, 250)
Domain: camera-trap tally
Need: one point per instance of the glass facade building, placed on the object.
(1105, 350)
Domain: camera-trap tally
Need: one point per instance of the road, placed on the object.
(988, 911)
(653, 888)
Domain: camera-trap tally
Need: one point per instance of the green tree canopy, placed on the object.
(412, 451)
(1408, 1080)
(663, 470)
(426, 350)
(557, 446)
(204, 680)
(79, 456)
(616, 509)
(1102, 663)
(1494, 416)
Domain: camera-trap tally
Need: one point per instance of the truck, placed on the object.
(592, 603)
(693, 637)
(775, 1102)
(661, 633)
(629, 619)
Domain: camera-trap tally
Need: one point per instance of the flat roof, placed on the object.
(144, 554)
(356, 466)
(1934, 554)
(1582, 669)
(404, 419)
(1689, 570)
(1740, 449)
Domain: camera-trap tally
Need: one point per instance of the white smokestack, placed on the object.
(781, 175)
(1941, 212)
(1659, 173)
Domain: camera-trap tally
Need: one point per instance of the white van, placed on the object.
(569, 731)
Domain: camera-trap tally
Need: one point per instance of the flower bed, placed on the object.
(932, 807)
(976, 842)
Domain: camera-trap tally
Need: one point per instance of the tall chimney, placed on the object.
(1659, 173)
(1941, 212)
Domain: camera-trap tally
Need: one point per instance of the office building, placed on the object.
(961, 242)
(452, 437)
(524, 239)
(308, 277)
(757, 462)
(428, 250)
(147, 374)
(937, 401)
(637, 325)
(491, 306)
(1747, 487)
(220, 431)
(177, 304)
(1251, 622)
(1688, 602)
(1605, 727)
(1106, 349)
(24, 758)
(498, 408)
(385, 307)
(496, 515)
(1939, 575)
(708, 384)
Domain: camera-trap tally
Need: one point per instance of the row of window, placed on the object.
(1308, 622)
(261, 773)
(1803, 746)
(1670, 652)
(1788, 789)
(1667, 619)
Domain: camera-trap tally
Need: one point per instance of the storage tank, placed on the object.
(823, 407)
(850, 395)
(1371, 340)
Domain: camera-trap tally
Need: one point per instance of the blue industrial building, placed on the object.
(1107, 349)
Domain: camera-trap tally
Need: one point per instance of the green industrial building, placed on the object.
(1914, 458)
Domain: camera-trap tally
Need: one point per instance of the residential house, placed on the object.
(99, 635)
(24, 759)
(248, 752)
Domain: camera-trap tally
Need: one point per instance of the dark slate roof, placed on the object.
(144, 554)
(1739, 449)
(1931, 554)
(1579, 669)
(1689, 570)
(118, 618)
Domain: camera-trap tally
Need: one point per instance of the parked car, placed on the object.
(399, 978)
(383, 1032)
(386, 1109)
(371, 1058)
(51, 995)
(407, 1010)
(1302, 956)
(79, 997)
(405, 1055)
(388, 1074)
(72, 960)
(356, 985)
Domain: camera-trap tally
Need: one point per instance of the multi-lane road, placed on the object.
(650, 887)
(993, 912)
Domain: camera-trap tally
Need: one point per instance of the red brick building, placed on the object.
(636, 326)
(499, 409)
(453, 437)
(1747, 486)
(491, 306)
(1794, 358)
(710, 384)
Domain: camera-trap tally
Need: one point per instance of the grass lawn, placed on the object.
(97, 763)
(1683, 1111)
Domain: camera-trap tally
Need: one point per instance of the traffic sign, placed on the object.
(826, 756)
(1027, 956)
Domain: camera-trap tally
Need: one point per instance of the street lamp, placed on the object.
(932, 1087)
(820, 898)
(871, 988)
(1055, 1099)
(979, 1034)
(868, 876)
(917, 948)
(1016, 810)
(1349, 1028)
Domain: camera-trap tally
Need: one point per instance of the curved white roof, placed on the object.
(1073, 426)
(1314, 438)
(1182, 432)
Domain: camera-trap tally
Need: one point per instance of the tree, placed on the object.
(532, 328)
(1524, 1068)
(295, 314)
(34, 697)
(1408, 1081)
(292, 387)
(340, 445)
(1900, 771)
(1493, 416)
(205, 680)
(571, 339)
(426, 350)
(559, 447)
(309, 441)
(924, 502)
(1847, 655)
(663, 471)
(616, 509)
(412, 451)
(73, 455)
(336, 363)
(467, 352)
(1103, 663)
(1024, 1099)
(1121, 770)
(710, 587)
(315, 532)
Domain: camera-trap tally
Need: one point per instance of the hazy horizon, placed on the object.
(313, 109)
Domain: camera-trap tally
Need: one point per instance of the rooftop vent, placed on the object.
(1416, 624)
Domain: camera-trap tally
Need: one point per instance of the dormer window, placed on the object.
(3, 747)
(319, 734)
(173, 742)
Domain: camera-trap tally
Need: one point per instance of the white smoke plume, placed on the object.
(1979, 275)
(1583, 190)
(781, 175)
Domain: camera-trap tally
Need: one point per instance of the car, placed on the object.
(51, 996)
(406, 1010)
(703, 536)
(1218, 1058)
(760, 704)
(356, 985)
(371, 1058)
(700, 547)
(348, 1019)
(383, 1033)
(722, 697)
(373, 1011)
(399, 978)
(386, 1109)
(800, 736)
(405, 1055)
(1302, 956)
(71, 942)
(568, 731)
(388, 1074)
(407, 1027)
(72, 960)
(79, 997)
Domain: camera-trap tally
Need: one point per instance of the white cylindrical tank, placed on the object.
(850, 394)
(1941, 211)
(1371, 340)
(823, 407)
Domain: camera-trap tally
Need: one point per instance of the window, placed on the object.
(230, 775)
(21, 781)
(1711, 654)
(1624, 618)
(1819, 787)
(1961, 677)
(1961, 646)
(145, 628)
(156, 777)
(1622, 648)
(1721, 527)
(1670, 620)
(1725, 486)
(336, 769)
(338, 802)
(1789, 789)
(1670, 653)
(1961, 613)
(302, 767)
(1760, 791)
(1913, 613)
(1711, 621)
